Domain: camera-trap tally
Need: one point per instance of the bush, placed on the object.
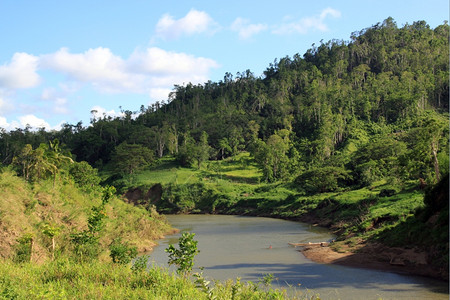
(387, 192)
(325, 179)
(24, 248)
(121, 252)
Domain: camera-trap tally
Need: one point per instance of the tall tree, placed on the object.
(129, 158)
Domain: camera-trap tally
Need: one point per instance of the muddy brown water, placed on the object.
(252, 247)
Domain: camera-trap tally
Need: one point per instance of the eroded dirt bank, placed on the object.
(377, 256)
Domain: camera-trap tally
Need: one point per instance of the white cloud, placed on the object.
(245, 29)
(20, 73)
(156, 61)
(160, 93)
(33, 121)
(99, 112)
(151, 72)
(304, 25)
(60, 106)
(143, 71)
(193, 23)
(4, 123)
(98, 66)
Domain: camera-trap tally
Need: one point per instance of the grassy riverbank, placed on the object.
(63, 279)
(384, 212)
(41, 259)
(28, 211)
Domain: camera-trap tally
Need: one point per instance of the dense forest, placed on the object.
(347, 112)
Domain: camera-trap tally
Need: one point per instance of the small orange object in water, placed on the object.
(270, 247)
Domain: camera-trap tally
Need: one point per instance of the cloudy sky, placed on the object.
(60, 60)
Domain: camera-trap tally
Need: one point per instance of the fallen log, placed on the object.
(321, 244)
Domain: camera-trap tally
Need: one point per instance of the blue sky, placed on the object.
(60, 60)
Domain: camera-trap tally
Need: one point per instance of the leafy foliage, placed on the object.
(348, 104)
(129, 158)
(24, 248)
(183, 257)
(84, 175)
(325, 179)
(121, 252)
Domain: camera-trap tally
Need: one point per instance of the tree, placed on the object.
(172, 139)
(38, 163)
(121, 252)
(379, 158)
(185, 155)
(84, 175)
(324, 179)
(272, 155)
(183, 257)
(425, 143)
(202, 149)
(129, 158)
(161, 137)
(51, 231)
(224, 147)
(278, 147)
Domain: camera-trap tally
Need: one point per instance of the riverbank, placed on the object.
(394, 216)
(376, 256)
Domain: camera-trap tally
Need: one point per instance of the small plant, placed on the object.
(121, 252)
(51, 231)
(24, 248)
(140, 264)
(203, 284)
(86, 246)
(236, 288)
(86, 241)
(267, 279)
(183, 258)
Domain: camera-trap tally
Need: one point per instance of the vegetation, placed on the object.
(353, 135)
(63, 279)
(373, 107)
(183, 257)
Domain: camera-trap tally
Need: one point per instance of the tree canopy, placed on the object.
(373, 107)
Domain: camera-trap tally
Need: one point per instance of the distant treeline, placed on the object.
(345, 113)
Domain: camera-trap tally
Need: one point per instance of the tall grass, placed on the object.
(27, 208)
(63, 279)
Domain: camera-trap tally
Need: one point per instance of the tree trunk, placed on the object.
(434, 150)
(31, 248)
(53, 248)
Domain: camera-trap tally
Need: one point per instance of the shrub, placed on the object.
(24, 248)
(121, 252)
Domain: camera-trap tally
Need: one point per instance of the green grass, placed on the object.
(26, 208)
(237, 180)
(63, 279)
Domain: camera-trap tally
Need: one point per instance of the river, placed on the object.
(252, 247)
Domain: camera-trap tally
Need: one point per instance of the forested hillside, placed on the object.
(348, 112)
